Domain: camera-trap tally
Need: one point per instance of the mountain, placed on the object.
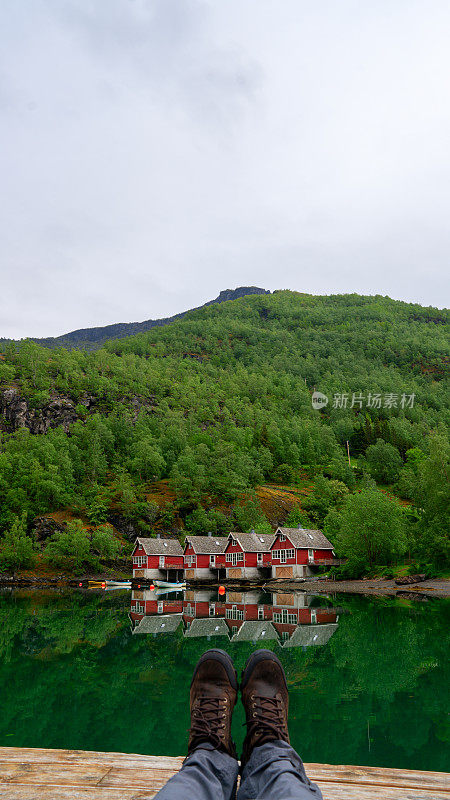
(93, 338)
(178, 427)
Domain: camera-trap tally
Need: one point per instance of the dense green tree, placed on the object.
(384, 461)
(16, 547)
(433, 499)
(369, 529)
(326, 494)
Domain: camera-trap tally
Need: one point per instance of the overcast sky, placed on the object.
(154, 152)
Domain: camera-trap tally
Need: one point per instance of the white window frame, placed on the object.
(229, 557)
(260, 612)
(212, 560)
(283, 556)
(212, 609)
(290, 553)
(281, 537)
(240, 556)
(160, 607)
(310, 555)
(259, 558)
(161, 562)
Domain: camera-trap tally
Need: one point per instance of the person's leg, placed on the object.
(207, 774)
(270, 766)
(210, 770)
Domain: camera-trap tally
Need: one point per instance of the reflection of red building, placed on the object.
(149, 603)
(242, 616)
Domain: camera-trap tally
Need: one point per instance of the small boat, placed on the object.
(118, 584)
(168, 585)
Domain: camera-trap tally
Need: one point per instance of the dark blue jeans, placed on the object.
(273, 771)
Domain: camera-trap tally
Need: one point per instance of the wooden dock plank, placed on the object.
(37, 774)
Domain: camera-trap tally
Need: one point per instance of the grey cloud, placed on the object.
(153, 152)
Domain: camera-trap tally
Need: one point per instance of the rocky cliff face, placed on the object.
(16, 413)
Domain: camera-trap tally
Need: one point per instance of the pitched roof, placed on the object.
(254, 542)
(303, 538)
(161, 547)
(204, 545)
(311, 635)
(208, 627)
(159, 624)
(253, 631)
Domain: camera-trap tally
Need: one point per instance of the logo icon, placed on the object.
(319, 400)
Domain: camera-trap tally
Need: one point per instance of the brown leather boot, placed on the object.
(212, 699)
(266, 701)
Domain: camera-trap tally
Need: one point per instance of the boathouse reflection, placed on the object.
(294, 619)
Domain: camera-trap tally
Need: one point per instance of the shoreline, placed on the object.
(435, 587)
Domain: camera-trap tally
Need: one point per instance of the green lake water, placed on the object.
(373, 691)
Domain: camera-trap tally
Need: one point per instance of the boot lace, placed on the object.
(266, 719)
(208, 721)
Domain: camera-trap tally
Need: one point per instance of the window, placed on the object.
(229, 557)
(212, 561)
(240, 556)
(285, 636)
(284, 618)
(275, 553)
(160, 607)
(139, 560)
(259, 558)
(290, 553)
(212, 609)
(189, 610)
(139, 607)
(282, 537)
(161, 562)
(260, 612)
(234, 629)
(283, 556)
(234, 613)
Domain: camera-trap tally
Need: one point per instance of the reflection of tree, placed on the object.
(72, 675)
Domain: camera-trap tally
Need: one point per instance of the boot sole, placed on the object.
(256, 658)
(223, 658)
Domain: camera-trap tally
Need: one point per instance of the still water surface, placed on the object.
(368, 677)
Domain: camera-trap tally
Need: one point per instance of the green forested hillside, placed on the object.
(220, 402)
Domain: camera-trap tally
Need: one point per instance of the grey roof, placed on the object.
(210, 626)
(311, 635)
(160, 623)
(255, 631)
(161, 547)
(301, 537)
(207, 544)
(254, 542)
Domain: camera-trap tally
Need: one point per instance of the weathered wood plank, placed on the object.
(330, 792)
(142, 775)
(38, 774)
